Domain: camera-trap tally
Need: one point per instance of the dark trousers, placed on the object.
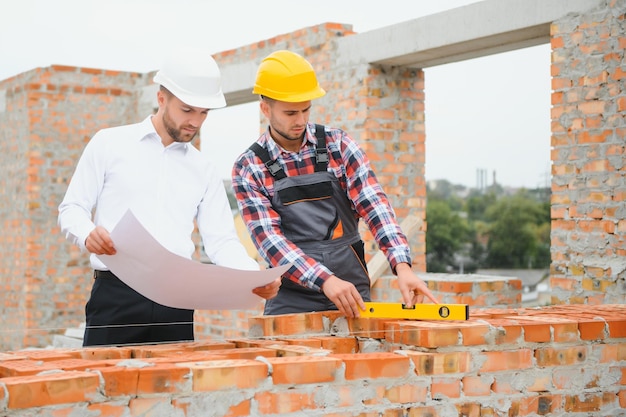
(117, 315)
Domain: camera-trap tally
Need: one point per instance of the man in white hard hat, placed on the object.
(151, 168)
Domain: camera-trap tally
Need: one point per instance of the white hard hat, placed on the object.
(194, 78)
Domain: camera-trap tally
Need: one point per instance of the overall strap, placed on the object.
(321, 153)
(272, 166)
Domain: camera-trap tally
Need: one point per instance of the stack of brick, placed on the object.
(470, 289)
(550, 361)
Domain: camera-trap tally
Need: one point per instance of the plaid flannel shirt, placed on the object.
(254, 188)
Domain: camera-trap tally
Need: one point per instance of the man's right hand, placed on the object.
(99, 242)
(268, 291)
(345, 296)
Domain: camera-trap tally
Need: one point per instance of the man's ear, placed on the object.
(265, 108)
(160, 98)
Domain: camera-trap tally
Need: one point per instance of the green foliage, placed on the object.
(487, 229)
(445, 235)
(514, 232)
(476, 205)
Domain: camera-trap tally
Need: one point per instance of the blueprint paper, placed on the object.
(174, 281)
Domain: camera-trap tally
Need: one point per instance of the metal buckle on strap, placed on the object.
(321, 155)
(273, 167)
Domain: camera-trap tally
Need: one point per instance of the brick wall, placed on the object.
(48, 114)
(473, 290)
(589, 157)
(553, 361)
(559, 360)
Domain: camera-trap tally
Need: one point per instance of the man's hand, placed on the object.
(412, 287)
(268, 291)
(345, 296)
(99, 242)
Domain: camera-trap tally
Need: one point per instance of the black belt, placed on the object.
(104, 275)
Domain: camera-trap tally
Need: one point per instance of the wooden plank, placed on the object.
(378, 264)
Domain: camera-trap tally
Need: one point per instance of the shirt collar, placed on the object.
(274, 149)
(147, 130)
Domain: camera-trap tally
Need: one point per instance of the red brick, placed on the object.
(505, 331)
(50, 389)
(506, 360)
(304, 370)
(407, 393)
(119, 380)
(296, 350)
(338, 344)
(477, 386)
(374, 365)
(290, 324)
(227, 374)
(442, 388)
(106, 409)
(617, 327)
(535, 331)
(285, 402)
(561, 356)
(150, 406)
(162, 378)
(423, 334)
(592, 328)
(427, 363)
(367, 327)
(474, 333)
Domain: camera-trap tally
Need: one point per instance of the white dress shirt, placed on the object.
(167, 188)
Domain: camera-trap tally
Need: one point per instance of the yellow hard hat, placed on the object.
(287, 76)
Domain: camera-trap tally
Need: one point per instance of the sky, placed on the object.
(489, 115)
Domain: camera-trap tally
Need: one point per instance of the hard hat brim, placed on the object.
(214, 101)
(290, 97)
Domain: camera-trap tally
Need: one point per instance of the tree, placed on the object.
(445, 235)
(516, 233)
(477, 203)
(498, 231)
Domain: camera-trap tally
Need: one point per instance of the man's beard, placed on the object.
(290, 138)
(174, 132)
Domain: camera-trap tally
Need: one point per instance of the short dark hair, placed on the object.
(165, 90)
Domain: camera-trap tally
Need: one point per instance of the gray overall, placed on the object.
(317, 216)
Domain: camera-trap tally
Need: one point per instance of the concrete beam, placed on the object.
(480, 29)
(237, 82)
(472, 31)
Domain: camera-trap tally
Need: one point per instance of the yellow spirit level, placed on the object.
(417, 312)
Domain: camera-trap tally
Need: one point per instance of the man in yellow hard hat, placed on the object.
(152, 169)
(302, 188)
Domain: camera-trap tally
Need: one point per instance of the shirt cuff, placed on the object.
(81, 238)
(313, 277)
(398, 258)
